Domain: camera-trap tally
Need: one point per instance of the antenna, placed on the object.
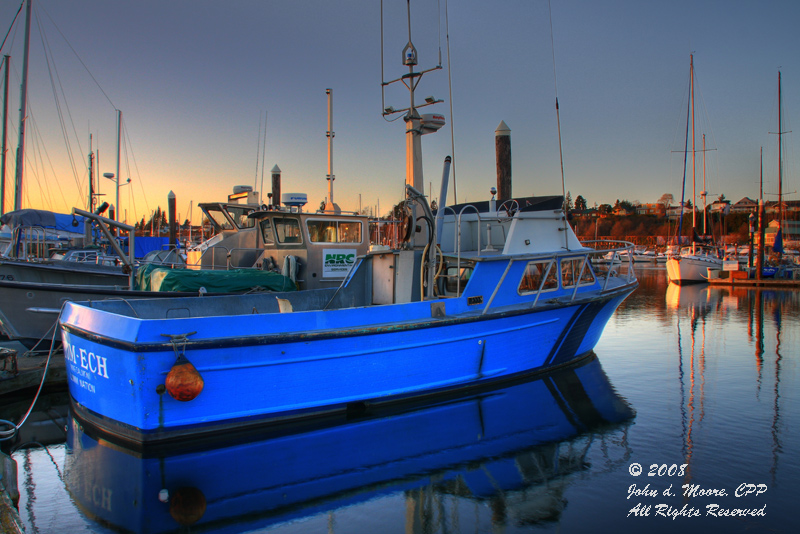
(329, 205)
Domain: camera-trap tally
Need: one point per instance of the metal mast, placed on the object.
(330, 206)
(694, 189)
(119, 142)
(23, 110)
(780, 158)
(415, 126)
(6, 61)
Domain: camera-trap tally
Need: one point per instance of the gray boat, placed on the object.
(313, 250)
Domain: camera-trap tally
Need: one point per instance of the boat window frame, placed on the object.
(219, 217)
(585, 267)
(337, 226)
(239, 216)
(549, 274)
(453, 281)
(281, 230)
(267, 231)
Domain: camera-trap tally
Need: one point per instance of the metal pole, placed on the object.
(119, 141)
(172, 224)
(6, 60)
(23, 110)
(751, 219)
(330, 205)
(502, 147)
(760, 259)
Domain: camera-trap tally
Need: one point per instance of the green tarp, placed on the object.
(155, 278)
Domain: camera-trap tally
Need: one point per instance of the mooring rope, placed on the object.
(14, 428)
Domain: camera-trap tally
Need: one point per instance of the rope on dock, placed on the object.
(14, 428)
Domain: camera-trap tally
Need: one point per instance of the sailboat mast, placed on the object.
(704, 193)
(23, 109)
(6, 61)
(90, 200)
(780, 157)
(117, 214)
(694, 189)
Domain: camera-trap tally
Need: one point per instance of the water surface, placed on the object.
(696, 385)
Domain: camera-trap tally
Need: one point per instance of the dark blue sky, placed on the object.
(194, 79)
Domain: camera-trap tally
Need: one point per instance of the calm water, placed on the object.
(699, 383)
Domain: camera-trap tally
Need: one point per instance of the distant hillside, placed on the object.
(645, 229)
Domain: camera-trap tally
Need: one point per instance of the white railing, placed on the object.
(613, 247)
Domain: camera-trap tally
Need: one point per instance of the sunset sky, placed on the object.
(195, 78)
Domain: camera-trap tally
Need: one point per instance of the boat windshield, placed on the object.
(229, 217)
(239, 216)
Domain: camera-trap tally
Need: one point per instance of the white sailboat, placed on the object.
(692, 263)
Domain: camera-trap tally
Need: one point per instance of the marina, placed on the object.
(455, 363)
(541, 455)
(430, 316)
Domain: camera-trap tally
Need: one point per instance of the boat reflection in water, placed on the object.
(698, 310)
(513, 450)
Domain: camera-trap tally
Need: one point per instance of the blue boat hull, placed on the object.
(254, 372)
(492, 444)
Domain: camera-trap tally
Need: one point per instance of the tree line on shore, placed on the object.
(646, 229)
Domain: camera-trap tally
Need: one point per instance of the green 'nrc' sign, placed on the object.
(338, 262)
(339, 259)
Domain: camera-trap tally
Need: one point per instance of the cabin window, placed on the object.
(239, 216)
(327, 231)
(457, 278)
(571, 268)
(532, 277)
(287, 230)
(266, 231)
(219, 218)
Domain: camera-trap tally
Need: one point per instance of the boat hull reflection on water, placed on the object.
(488, 446)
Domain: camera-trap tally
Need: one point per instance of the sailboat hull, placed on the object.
(691, 269)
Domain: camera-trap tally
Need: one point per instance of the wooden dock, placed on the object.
(20, 371)
(772, 283)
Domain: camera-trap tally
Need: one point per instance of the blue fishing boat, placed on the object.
(448, 310)
(152, 370)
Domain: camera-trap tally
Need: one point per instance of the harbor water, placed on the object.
(684, 419)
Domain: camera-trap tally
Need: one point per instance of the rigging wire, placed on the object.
(12, 26)
(258, 152)
(78, 57)
(558, 121)
(58, 89)
(683, 186)
(450, 97)
(136, 167)
(39, 148)
(558, 115)
(51, 68)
